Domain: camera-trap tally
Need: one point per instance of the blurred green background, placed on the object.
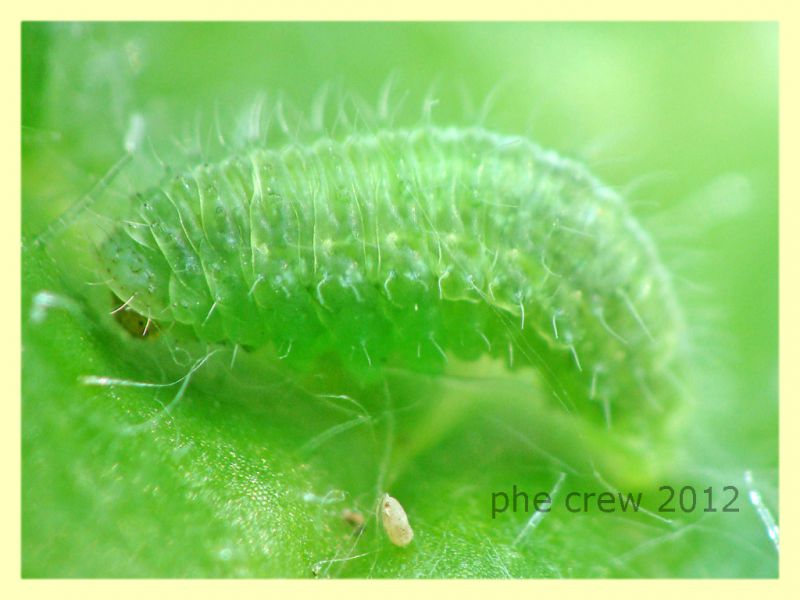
(682, 117)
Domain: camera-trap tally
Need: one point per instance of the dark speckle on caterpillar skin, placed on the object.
(410, 248)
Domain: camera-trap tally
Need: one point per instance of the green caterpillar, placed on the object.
(411, 248)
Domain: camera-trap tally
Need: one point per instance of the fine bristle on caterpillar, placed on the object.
(408, 248)
(131, 321)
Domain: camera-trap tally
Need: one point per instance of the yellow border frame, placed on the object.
(783, 12)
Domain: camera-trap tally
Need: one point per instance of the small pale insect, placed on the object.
(395, 521)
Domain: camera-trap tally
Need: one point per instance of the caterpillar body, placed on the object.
(410, 247)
